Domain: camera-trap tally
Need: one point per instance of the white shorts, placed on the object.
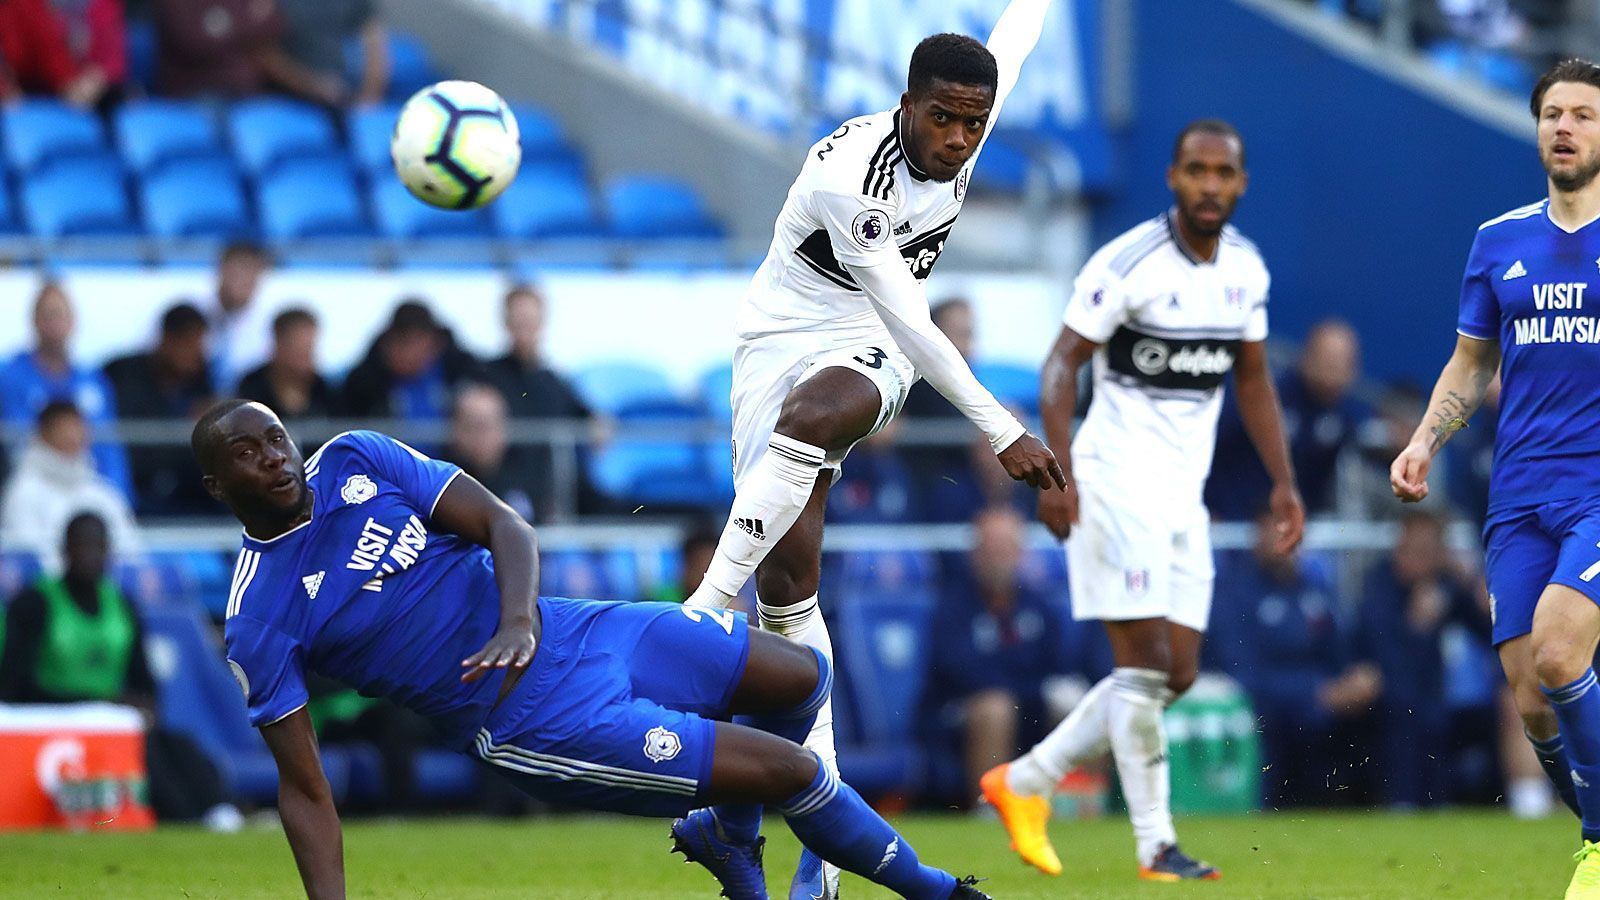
(767, 367)
(1133, 559)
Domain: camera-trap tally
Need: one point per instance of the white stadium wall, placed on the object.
(682, 324)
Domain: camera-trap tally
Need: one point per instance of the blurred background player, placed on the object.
(835, 330)
(1521, 302)
(1165, 311)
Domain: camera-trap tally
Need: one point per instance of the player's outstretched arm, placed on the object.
(899, 302)
(1459, 392)
(469, 510)
(1058, 404)
(1263, 422)
(305, 803)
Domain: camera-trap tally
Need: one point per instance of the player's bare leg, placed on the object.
(825, 414)
(1538, 717)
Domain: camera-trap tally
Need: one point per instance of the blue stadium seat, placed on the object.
(195, 201)
(154, 133)
(311, 199)
(400, 215)
(617, 388)
(268, 132)
(587, 574)
(882, 657)
(142, 52)
(39, 134)
(200, 698)
(1011, 384)
(1003, 167)
(547, 202)
(185, 579)
(543, 140)
(369, 129)
(10, 221)
(410, 67)
(647, 207)
(716, 392)
(80, 197)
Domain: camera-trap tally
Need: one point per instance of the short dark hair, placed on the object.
(955, 58)
(413, 315)
(56, 409)
(1218, 127)
(182, 318)
(1581, 71)
(203, 439)
(290, 318)
(238, 248)
(946, 306)
(84, 520)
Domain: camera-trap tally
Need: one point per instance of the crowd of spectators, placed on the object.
(79, 50)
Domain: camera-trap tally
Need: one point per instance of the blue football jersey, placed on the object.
(366, 593)
(1526, 286)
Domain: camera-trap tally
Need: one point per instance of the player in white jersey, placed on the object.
(836, 329)
(1165, 312)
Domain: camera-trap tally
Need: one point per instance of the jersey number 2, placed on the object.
(722, 617)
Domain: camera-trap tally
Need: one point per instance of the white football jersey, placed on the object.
(856, 193)
(1170, 327)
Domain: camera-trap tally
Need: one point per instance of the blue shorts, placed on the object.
(616, 712)
(1529, 547)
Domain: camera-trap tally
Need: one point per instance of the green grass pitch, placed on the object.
(1454, 855)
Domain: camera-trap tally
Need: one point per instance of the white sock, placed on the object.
(1139, 744)
(1083, 735)
(767, 505)
(803, 624)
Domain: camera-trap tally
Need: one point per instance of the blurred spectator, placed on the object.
(54, 480)
(478, 444)
(1407, 604)
(532, 389)
(1470, 456)
(76, 638)
(238, 328)
(169, 384)
(1276, 629)
(876, 486)
(1321, 421)
(694, 555)
(34, 378)
(289, 382)
(75, 50)
(924, 404)
(1399, 410)
(214, 48)
(411, 371)
(996, 642)
(311, 63)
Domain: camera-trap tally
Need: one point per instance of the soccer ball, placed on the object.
(456, 145)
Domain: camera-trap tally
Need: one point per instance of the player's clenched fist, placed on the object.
(1029, 460)
(1058, 510)
(1408, 476)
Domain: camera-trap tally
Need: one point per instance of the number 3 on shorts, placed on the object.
(875, 358)
(722, 617)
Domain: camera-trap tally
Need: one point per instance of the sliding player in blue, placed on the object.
(405, 578)
(1525, 314)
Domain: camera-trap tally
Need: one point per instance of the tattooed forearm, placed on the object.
(1449, 418)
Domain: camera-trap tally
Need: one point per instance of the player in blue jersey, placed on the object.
(1525, 313)
(376, 566)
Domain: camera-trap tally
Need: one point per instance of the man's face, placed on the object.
(184, 352)
(237, 278)
(955, 320)
(1569, 134)
(52, 317)
(296, 350)
(1330, 361)
(256, 468)
(997, 550)
(1420, 553)
(1207, 179)
(86, 549)
(525, 322)
(409, 353)
(944, 126)
(478, 428)
(67, 435)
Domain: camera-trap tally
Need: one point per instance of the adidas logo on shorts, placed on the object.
(752, 527)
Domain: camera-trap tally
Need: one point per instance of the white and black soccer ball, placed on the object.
(456, 145)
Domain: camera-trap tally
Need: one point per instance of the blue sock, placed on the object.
(743, 823)
(835, 823)
(1577, 708)
(1553, 759)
